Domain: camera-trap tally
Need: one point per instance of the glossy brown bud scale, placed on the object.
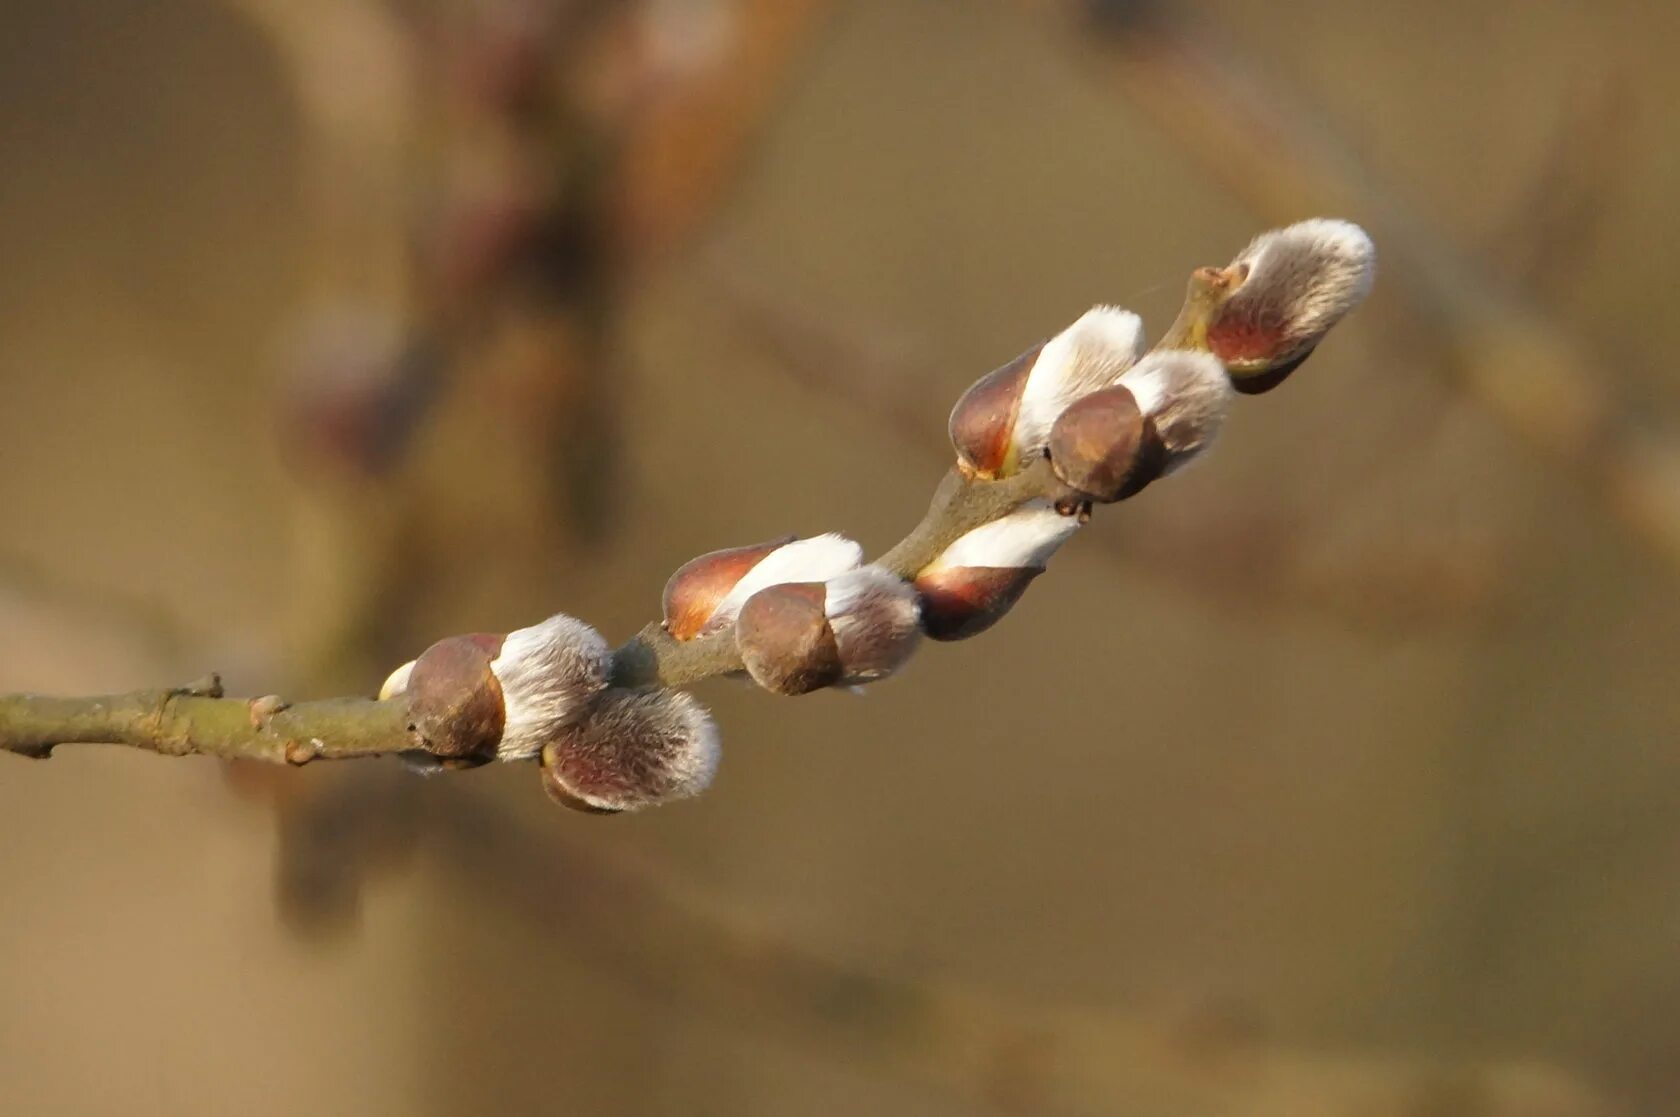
(786, 643)
(693, 593)
(983, 420)
(1104, 446)
(454, 699)
(963, 601)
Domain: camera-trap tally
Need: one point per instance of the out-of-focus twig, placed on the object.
(161, 631)
(693, 138)
(571, 144)
(1567, 198)
(1531, 374)
(352, 73)
(688, 951)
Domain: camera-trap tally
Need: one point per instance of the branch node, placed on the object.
(264, 708)
(299, 753)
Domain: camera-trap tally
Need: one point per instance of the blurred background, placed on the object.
(1335, 777)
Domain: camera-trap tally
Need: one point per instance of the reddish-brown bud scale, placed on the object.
(983, 420)
(1247, 342)
(1259, 383)
(1104, 446)
(699, 586)
(963, 601)
(786, 642)
(454, 699)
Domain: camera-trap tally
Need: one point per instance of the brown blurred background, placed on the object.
(1335, 777)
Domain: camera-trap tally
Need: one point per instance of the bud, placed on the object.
(396, 682)
(548, 674)
(706, 593)
(1003, 421)
(785, 642)
(695, 591)
(876, 619)
(858, 627)
(1297, 283)
(1184, 397)
(977, 579)
(455, 703)
(1105, 447)
(634, 749)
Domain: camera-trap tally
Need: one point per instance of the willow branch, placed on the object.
(199, 720)
(1081, 419)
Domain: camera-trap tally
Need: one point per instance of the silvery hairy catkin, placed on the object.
(633, 749)
(1294, 284)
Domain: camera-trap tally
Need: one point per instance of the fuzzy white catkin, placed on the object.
(1090, 354)
(1306, 276)
(876, 620)
(1023, 539)
(548, 674)
(816, 559)
(637, 748)
(1187, 395)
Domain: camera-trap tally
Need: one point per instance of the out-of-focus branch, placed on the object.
(1569, 192)
(1532, 375)
(550, 201)
(352, 72)
(159, 629)
(688, 951)
(691, 140)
